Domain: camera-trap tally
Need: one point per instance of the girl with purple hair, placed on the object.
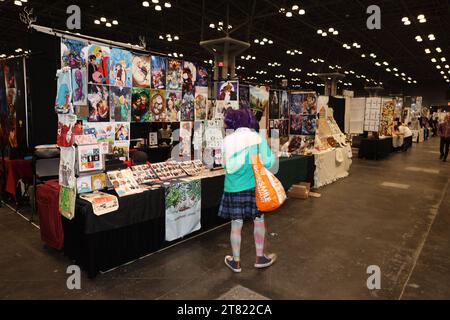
(239, 199)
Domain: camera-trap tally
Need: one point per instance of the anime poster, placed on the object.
(64, 92)
(67, 168)
(297, 103)
(201, 98)
(174, 74)
(296, 124)
(228, 92)
(140, 105)
(211, 109)
(66, 124)
(259, 98)
(183, 209)
(121, 149)
(89, 158)
(98, 98)
(98, 181)
(244, 97)
(281, 127)
(202, 76)
(220, 110)
(309, 125)
(189, 73)
(284, 105)
(187, 106)
(72, 54)
(79, 87)
(274, 104)
(310, 104)
(120, 104)
(67, 198)
(120, 68)
(158, 106)
(141, 71)
(98, 64)
(159, 69)
(173, 103)
(122, 131)
(185, 139)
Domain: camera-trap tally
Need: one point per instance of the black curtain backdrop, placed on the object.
(42, 67)
(338, 106)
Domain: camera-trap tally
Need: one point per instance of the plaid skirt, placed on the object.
(239, 205)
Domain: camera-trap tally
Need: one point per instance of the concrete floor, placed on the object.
(324, 245)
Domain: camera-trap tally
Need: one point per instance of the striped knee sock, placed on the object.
(235, 238)
(260, 235)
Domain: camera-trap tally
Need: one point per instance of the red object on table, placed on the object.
(16, 170)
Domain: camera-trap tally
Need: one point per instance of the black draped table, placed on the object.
(375, 149)
(100, 243)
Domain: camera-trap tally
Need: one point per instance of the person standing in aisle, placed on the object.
(239, 199)
(444, 133)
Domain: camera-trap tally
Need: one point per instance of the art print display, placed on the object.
(189, 73)
(296, 103)
(228, 92)
(220, 110)
(187, 106)
(84, 184)
(309, 125)
(104, 132)
(73, 53)
(244, 97)
(310, 104)
(158, 106)
(168, 170)
(274, 104)
(64, 91)
(144, 174)
(89, 158)
(124, 183)
(202, 76)
(79, 86)
(387, 118)
(120, 104)
(121, 149)
(159, 69)
(173, 102)
(201, 98)
(82, 111)
(183, 209)
(98, 99)
(281, 127)
(98, 64)
(67, 167)
(296, 124)
(185, 139)
(211, 109)
(98, 181)
(372, 114)
(140, 105)
(284, 105)
(65, 136)
(259, 98)
(122, 131)
(102, 203)
(214, 134)
(142, 72)
(174, 75)
(120, 74)
(67, 198)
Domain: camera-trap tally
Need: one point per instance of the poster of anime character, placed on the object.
(63, 102)
(309, 125)
(173, 102)
(98, 64)
(189, 73)
(66, 124)
(297, 103)
(274, 104)
(186, 139)
(120, 68)
(174, 74)
(244, 97)
(296, 124)
(120, 104)
(122, 131)
(73, 53)
(142, 72)
(202, 76)
(187, 106)
(284, 105)
(310, 103)
(259, 98)
(201, 98)
(158, 106)
(159, 69)
(211, 114)
(79, 87)
(140, 105)
(98, 99)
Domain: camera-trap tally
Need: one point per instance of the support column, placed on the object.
(331, 81)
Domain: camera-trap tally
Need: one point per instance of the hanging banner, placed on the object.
(183, 209)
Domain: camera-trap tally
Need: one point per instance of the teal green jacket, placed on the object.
(238, 166)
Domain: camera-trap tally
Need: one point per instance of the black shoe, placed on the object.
(441, 157)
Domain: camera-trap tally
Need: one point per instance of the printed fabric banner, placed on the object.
(183, 209)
